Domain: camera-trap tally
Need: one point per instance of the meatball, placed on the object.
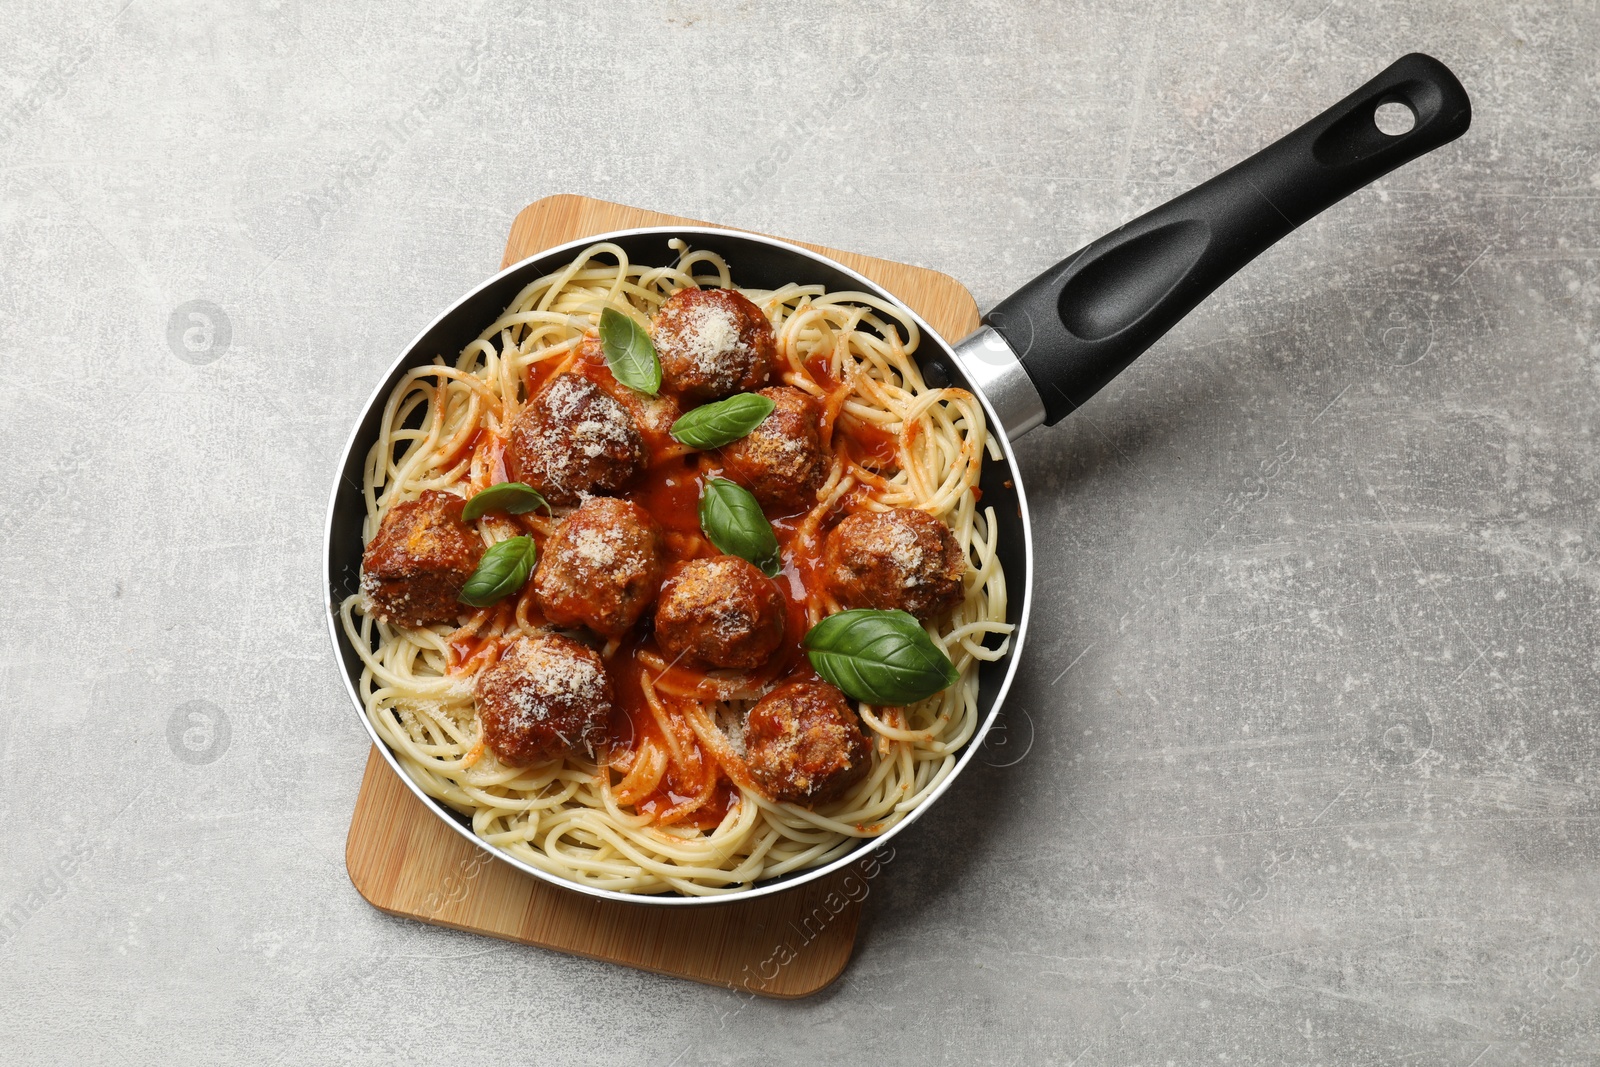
(804, 744)
(548, 697)
(712, 343)
(720, 611)
(572, 439)
(413, 570)
(781, 460)
(653, 415)
(601, 567)
(904, 559)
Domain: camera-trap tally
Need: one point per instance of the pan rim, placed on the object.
(868, 845)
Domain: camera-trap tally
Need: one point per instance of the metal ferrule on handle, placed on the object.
(993, 367)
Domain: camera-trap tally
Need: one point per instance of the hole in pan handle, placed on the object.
(1077, 325)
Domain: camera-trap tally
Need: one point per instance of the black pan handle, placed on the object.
(1077, 325)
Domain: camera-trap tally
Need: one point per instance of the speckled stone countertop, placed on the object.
(1301, 762)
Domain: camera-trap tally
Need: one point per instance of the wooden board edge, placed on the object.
(362, 874)
(556, 202)
(369, 884)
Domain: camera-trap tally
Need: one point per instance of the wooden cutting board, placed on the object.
(405, 861)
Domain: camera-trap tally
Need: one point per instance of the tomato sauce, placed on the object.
(466, 448)
(670, 490)
(632, 722)
(631, 719)
(706, 817)
(818, 367)
(465, 648)
(535, 375)
(872, 446)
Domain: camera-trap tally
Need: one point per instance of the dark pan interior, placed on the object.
(753, 264)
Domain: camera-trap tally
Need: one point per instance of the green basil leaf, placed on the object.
(714, 425)
(880, 657)
(503, 569)
(629, 353)
(514, 498)
(733, 521)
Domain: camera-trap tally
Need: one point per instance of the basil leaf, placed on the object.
(629, 353)
(733, 521)
(503, 569)
(512, 497)
(714, 425)
(880, 657)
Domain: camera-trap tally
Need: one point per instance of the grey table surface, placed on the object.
(1301, 767)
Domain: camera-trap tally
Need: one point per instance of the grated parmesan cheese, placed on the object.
(905, 552)
(555, 677)
(711, 334)
(592, 545)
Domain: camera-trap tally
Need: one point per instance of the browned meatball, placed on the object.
(904, 559)
(712, 343)
(573, 439)
(804, 744)
(653, 415)
(414, 569)
(720, 611)
(548, 697)
(781, 460)
(601, 567)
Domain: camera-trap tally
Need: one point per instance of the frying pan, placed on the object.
(1039, 354)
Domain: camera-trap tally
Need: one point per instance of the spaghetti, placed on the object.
(667, 803)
